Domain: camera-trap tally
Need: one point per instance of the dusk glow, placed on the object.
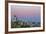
(32, 12)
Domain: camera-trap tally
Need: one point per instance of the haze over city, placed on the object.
(32, 12)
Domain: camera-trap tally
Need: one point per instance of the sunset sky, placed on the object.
(29, 11)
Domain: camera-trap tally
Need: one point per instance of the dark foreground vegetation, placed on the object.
(20, 24)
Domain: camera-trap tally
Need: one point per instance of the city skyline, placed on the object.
(30, 11)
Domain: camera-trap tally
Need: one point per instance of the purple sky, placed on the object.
(25, 10)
